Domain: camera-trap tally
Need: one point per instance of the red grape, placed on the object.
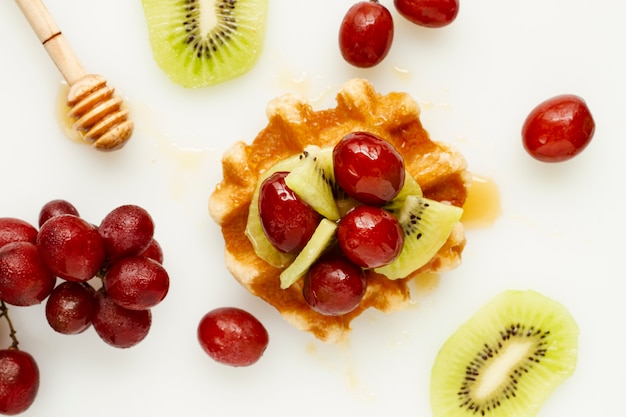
(119, 326)
(368, 168)
(153, 251)
(70, 307)
(288, 222)
(137, 283)
(24, 279)
(19, 381)
(127, 231)
(429, 13)
(232, 336)
(334, 286)
(558, 128)
(370, 236)
(16, 230)
(366, 34)
(71, 248)
(54, 208)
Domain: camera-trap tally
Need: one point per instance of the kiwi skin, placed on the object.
(531, 339)
(197, 51)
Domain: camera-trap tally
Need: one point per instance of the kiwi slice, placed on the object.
(322, 239)
(427, 224)
(410, 187)
(505, 360)
(254, 230)
(203, 42)
(313, 180)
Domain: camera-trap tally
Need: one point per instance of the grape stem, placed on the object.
(4, 312)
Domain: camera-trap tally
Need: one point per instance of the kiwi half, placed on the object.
(506, 359)
(203, 42)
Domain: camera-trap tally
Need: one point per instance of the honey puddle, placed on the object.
(482, 206)
(66, 123)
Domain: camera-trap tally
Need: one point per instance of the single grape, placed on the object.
(137, 283)
(70, 307)
(71, 248)
(428, 13)
(366, 34)
(19, 381)
(334, 286)
(54, 208)
(288, 222)
(127, 231)
(558, 129)
(370, 236)
(232, 336)
(153, 251)
(24, 279)
(119, 326)
(16, 230)
(368, 168)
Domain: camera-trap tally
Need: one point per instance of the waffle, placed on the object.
(292, 124)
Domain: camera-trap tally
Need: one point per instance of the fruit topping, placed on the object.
(370, 236)
(558, 129)
(287, 221)
(368, 168)
(506, 359)
(426, 224)
(362, 203)
(313, 180)
(334, 286)
(366, 33)
(428, 13)
(232, 336)
(322, 239)
(199, 43)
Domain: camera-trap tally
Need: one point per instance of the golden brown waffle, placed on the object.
(293, 124)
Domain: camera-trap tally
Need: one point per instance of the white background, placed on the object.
(560, 232)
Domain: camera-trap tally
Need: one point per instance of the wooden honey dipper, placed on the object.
(98, 112)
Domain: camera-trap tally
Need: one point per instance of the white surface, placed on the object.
(559, 233)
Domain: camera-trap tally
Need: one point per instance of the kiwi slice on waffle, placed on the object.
(199, 43)
(506, 359)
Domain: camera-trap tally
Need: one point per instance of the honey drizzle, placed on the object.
(482, 206)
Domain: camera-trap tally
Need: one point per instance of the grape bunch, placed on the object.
(366, 31)
(108, 277)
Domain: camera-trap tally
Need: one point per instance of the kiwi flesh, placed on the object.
(427, 224)
(506, 359)
(313, 180)
(199, 43)
(322, 239)
(410, 187)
